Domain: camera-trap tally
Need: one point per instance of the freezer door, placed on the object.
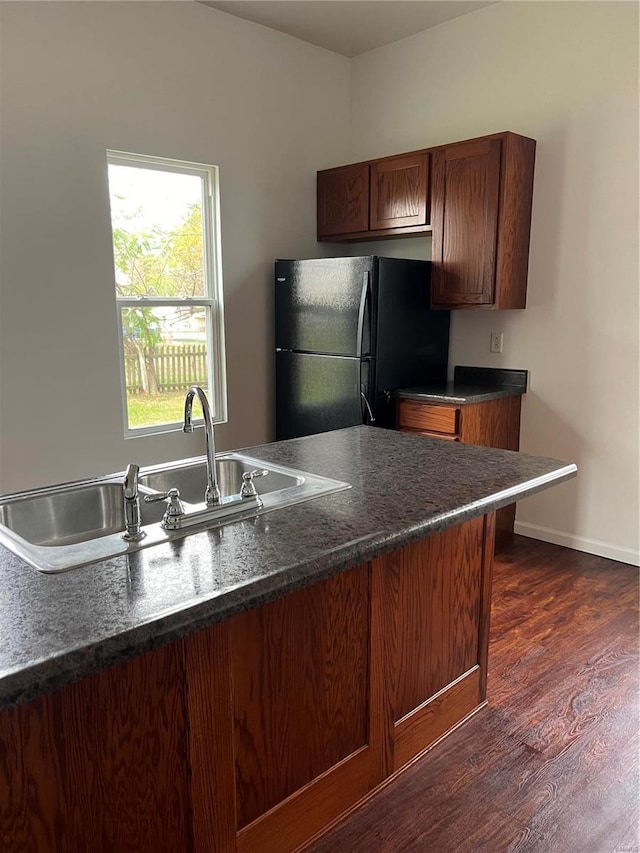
(326, 305)
(316, 393)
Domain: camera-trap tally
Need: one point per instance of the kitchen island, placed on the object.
(240, 688)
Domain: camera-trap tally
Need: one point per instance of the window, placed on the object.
(168, 285)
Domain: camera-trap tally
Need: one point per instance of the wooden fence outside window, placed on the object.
(165, 368)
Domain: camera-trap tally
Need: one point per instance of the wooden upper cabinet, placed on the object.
(343, 200)
(380, 198)
(399, 187)
(481, 216)
(466, 186)
(476, 201)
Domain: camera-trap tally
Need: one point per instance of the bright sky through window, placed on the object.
(165, 251)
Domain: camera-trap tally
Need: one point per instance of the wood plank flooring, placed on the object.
(553, 763)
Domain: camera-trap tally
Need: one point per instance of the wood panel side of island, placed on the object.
(255, 734)
(211, 756)
(100, 765)
(441, 615)
(301, 711)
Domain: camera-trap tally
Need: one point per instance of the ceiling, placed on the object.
(349, 27)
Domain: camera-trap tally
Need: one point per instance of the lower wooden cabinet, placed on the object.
(493, 423)
(253, 735)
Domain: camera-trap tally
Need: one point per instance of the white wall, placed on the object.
(177, 80)
(565, 74)
(185, 81)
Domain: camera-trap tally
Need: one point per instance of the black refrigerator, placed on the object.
(348, 332)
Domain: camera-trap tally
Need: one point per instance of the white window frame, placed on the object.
(213, 291)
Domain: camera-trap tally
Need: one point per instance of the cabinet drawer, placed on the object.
(442, 436)
(419, 416)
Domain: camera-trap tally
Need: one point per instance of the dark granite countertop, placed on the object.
(57, 628)
(470, 385)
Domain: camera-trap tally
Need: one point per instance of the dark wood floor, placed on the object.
(552, 764)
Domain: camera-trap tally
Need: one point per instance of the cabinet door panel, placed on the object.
(399, 191)
(300, 681)
(466, 188)
(439, 602)
(343, 200)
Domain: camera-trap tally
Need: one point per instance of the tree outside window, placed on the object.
(168, 288)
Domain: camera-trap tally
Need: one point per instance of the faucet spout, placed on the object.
(212, 494)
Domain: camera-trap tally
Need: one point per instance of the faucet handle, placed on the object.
(248, 489)
(130, 482)
(175, 506)
(173, 514)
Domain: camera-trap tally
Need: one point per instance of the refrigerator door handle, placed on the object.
(364, 297)
(372, 420)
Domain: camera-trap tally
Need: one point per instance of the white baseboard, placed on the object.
(578, 543)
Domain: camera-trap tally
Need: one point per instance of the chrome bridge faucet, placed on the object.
(212, 494)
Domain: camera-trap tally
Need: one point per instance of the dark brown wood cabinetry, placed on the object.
(343, 200)
(477, 203)
(399, 192)
(481, 215)
(253, 735)
(493, 423)
(380, 198)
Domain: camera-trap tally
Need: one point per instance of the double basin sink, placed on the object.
(64, 527)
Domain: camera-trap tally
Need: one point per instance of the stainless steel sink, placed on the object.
(191, 479)
(70, 515)
(64, 527)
